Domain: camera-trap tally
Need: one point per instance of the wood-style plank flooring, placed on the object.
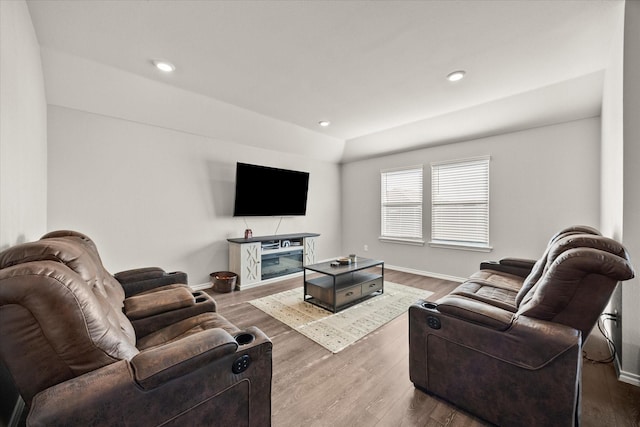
(367, 384)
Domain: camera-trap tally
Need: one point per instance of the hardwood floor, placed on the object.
(367, 384)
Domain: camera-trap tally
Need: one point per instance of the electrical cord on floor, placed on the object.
(609, 316)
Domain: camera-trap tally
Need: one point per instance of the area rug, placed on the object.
(337, 331)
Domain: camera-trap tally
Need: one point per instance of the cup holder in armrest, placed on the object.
(244, 338)
(199, 296)
(430, 305)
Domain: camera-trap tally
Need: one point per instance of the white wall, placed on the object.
(148, 170)
(612, 153)
(612, 161)
(23, 149)
(153, 196)
(630, 370)
(23, 129)
(541, 180)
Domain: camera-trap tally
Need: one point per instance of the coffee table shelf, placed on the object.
(337, 288)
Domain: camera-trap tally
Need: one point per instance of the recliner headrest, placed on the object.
(75, 254)
(575, 285)
(541, 265)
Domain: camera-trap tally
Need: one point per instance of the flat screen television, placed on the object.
(267, 191)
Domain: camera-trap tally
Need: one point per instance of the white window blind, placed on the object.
(460, 202)
(401, 204)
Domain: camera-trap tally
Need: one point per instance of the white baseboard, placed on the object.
(289, 276)
(249, 286)
(200, 286)
(426, 273)
(627, 377)
(273, 280)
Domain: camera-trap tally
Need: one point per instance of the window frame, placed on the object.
(464, 201)
(385, 236)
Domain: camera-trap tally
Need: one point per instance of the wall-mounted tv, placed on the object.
(267, 191)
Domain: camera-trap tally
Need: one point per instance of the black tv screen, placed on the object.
(267, 191)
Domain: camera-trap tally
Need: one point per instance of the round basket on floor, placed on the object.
(223, 281)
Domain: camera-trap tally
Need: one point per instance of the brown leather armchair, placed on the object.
(133, 281)
(75, 354)
(151, 298)
(507, 347)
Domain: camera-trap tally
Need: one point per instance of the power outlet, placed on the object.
(366, 248)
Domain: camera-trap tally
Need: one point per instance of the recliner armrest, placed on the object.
(160, 364)
(480, 369)
(161, 301)
(475, 311)
(111, 395)
(137, 274)
(155, 319)
(140, 280)
(518, 262)
(518, 266)
(528, 343)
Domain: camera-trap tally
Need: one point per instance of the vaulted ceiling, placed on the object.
(375, 69)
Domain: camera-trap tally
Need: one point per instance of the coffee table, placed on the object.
(336, 288)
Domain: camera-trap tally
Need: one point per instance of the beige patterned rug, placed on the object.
(337, 331)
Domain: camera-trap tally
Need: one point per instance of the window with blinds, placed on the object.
(460, 203)
(401, 205)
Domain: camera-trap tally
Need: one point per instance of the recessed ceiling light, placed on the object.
(456, 75)
(324, 123)
(165, 66)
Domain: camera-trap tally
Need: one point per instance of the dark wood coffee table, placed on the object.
(337, 288)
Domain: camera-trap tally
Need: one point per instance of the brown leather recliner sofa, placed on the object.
(85, 347)
(506, 345)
